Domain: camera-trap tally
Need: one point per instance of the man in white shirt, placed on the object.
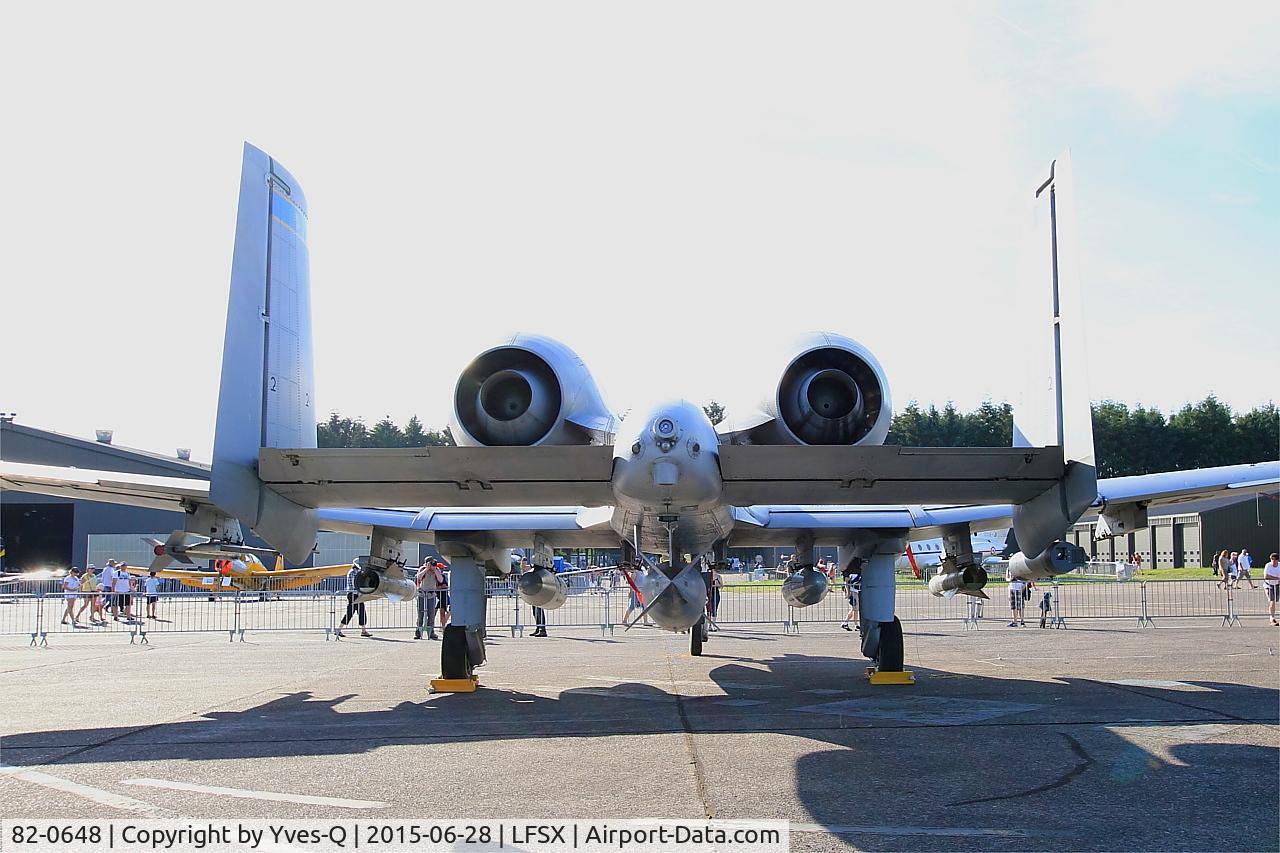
(106, 586)
(1243, 564)
(122, 585)
(428, 581)
(1017, 599)
(1271, 580)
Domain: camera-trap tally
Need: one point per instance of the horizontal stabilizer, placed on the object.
(441, 476)
(855, 475)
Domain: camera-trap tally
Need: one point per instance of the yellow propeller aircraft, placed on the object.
(244, 573)
(235, 567)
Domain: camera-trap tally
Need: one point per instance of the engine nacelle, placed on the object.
(372, 583)
(831, 390)
(542, 588)
(1058, 559)
(805, 588)
(529, 390)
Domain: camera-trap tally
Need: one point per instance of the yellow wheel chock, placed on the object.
(877, 677)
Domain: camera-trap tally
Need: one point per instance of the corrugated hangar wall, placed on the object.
(1251, 523)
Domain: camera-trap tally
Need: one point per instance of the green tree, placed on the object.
(1258, 434)
(1146, 443)
(714, 411)
(386, 434)
(1110, 438)
(414, 434)
(1202, 436)
(907, 427)
(952, 427)
(989, 426)
(341, 432)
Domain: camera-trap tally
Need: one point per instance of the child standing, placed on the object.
(152, 584)
(1046, 605)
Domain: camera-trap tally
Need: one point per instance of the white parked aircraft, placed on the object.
(543, 463)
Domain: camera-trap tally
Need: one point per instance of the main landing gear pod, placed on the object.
(881, 629)
(462, 646)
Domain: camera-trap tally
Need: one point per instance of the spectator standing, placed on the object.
(1017, 590)
(443, 593)
(1233, 567)
(106, 588)
(354, 605)
(1271, 580)
(91, 600)
(713, 597)
(1244, 568)
(1046, 605)
(634, 603)
(123, 588)
(152, 588)
(1213, 564)
(852, 586)
(71, 591)
(428, 582)
(539, 613)
(1224, 569)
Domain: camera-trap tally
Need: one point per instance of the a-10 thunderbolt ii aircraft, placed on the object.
(543, 463)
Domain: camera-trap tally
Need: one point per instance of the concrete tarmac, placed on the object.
(1098, 737)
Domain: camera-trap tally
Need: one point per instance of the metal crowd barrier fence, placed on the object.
(595, 602)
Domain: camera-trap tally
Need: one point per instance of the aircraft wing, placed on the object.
(310, 575)
(176, 494)
(777, 524)
(173, 574)
(567, 526)
(440, 476)
(1173, 487)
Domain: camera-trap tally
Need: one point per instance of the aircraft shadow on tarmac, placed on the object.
(1072, 763)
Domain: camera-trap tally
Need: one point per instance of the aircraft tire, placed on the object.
(695, 638)
(454, 660)
(890, 658)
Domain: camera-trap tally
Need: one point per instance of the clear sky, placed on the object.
(662, 186)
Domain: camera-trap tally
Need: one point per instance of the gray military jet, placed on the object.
(543, 463)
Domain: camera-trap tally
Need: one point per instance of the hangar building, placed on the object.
(39, 531)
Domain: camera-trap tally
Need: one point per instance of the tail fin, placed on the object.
(1054, 409)
(267, 394)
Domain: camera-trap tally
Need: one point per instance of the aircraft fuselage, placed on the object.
(667, 482)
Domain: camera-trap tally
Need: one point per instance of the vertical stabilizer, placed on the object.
(1054, 408)
(267, 394)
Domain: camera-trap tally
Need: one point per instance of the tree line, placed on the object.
(1126, 441)
(348, 432)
